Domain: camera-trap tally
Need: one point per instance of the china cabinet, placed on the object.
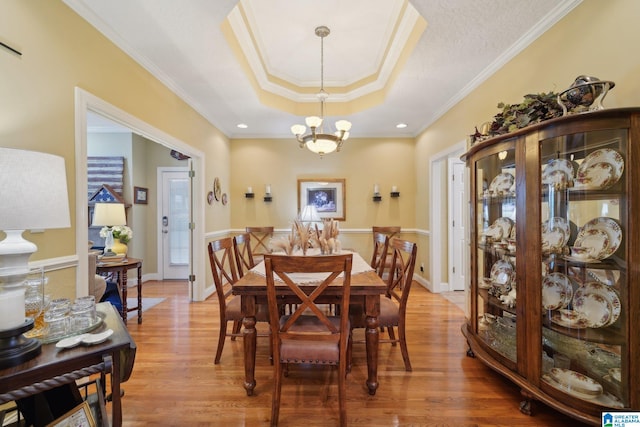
(555, 261)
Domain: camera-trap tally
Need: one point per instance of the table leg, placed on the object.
(116, 403)
(139, 294)
(372, 336)
(249, 340)
(123, 280)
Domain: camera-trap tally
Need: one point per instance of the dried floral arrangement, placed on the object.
(304, 236)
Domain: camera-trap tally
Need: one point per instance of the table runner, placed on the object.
(359, 265)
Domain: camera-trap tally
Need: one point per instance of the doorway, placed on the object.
(174, 232)
(85, 103)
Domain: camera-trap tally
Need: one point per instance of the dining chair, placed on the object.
(392, 231)
(309, 335)
(243, 253)
(393, 308)
(223, 269)
(261, 237)
(380, 249)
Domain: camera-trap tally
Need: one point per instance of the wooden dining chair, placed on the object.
(223, 269)
(393, 308)
(391, 232)
(243, 253)
(309, 335)
(380, 249)
(260, 237)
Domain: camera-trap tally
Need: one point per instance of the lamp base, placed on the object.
(15, 348)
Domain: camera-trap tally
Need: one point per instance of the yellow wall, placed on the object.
(595, 39)
(361, 162)
(59, 52)
(62, 51)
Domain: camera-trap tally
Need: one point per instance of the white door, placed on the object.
(175, 217)
(456, 223)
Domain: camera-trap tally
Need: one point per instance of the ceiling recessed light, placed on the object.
(401, 125)
(242, 126)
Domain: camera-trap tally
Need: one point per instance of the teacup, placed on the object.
(580, 252)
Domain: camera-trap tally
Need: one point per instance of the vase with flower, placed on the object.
(122, 235)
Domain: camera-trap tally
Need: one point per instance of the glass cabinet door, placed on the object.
(495, 248)
(584, 281)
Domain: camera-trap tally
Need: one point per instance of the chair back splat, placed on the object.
(243, 253)
(260, 237)
(309, 334)
(224, 271)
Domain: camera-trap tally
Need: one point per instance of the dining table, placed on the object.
(366, 289)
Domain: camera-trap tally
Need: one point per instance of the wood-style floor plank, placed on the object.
(175, 382)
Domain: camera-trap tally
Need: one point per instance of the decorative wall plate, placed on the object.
(600, 169)
(608, 225)
(556, 291)
(217, 191)
(558, 172)
(606, 292)
(210, 197)
(224, 198)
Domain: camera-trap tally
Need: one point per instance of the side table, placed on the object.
(119, 270)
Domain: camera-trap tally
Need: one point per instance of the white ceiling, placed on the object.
(183, 44)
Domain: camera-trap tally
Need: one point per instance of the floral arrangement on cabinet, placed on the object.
(123, 233)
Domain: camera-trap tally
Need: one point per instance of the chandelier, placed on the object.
(318, 141)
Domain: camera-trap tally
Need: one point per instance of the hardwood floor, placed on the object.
(175, 381)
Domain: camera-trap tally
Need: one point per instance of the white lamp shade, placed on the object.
(33, 190)
(322, 146)
(309, 214)
(298, 129)
(313, 121)
(109, 214)
(344, 125)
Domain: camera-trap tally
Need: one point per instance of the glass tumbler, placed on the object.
(57, 322)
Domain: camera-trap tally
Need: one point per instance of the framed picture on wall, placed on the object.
(140, 195)
(326, 194)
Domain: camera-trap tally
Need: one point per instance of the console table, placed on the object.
(56, 367)
(119, 270)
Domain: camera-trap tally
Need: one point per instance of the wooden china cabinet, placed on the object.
(555, 261)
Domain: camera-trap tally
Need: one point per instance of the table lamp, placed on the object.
(109, 214)
(309, 214)
(33, 196)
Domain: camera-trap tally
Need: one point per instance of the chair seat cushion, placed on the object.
(234, 310)
(299, 350)
(389, 314)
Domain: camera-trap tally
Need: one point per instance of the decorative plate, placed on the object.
(555, 234)
(506, 224)
(556, 291)
(611, 227)
(224, 198)
(501, 183)
(594, 308)
(574, 381)
(600, 169)
(502, 272)
(568, 319)
(596, 241)
(558, 172)
(607, 292)
(210, 197)
(615, 374)
(494, 231)
(217, 191)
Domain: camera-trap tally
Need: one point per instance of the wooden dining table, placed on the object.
(366, 288)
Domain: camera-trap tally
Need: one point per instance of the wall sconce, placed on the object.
(394, 191)
(376, 193)
(249, 193)
(267, 193)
